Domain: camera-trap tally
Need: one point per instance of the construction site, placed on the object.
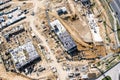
(56, 40)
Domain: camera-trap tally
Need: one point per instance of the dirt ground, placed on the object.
(10, 76)
(78, 30)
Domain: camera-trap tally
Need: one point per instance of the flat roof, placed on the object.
(94, 28)
(24, 54)
(63, 35)
(115, 4)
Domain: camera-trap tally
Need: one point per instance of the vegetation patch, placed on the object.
(107, 78)
(118, 30)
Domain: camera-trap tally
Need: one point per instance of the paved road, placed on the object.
(114, 73)
(115, 22)
(115, 27)
(115, 6)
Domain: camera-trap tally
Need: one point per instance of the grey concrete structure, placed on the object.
(64, 36)
(24, 56)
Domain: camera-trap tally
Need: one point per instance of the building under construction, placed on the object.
(64, 36)
(24, 56)
(13, 32)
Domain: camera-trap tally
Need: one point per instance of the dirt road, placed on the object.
(10, 75)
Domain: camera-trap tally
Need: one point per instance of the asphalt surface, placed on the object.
(115, 4)
(114, 73)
